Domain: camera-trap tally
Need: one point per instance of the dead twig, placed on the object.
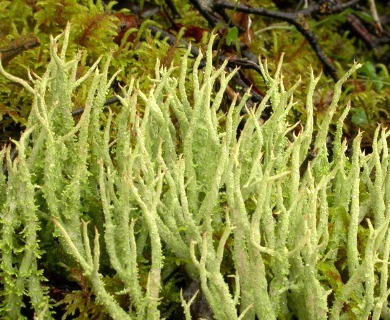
(16, 48)
(297, 19)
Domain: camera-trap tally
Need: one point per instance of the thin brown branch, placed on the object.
(297, 19)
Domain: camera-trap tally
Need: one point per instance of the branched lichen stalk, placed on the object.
(169, 182)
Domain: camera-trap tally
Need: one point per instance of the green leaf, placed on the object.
(231, 35)
(359, 117)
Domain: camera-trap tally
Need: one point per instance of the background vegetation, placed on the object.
(135, 42)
